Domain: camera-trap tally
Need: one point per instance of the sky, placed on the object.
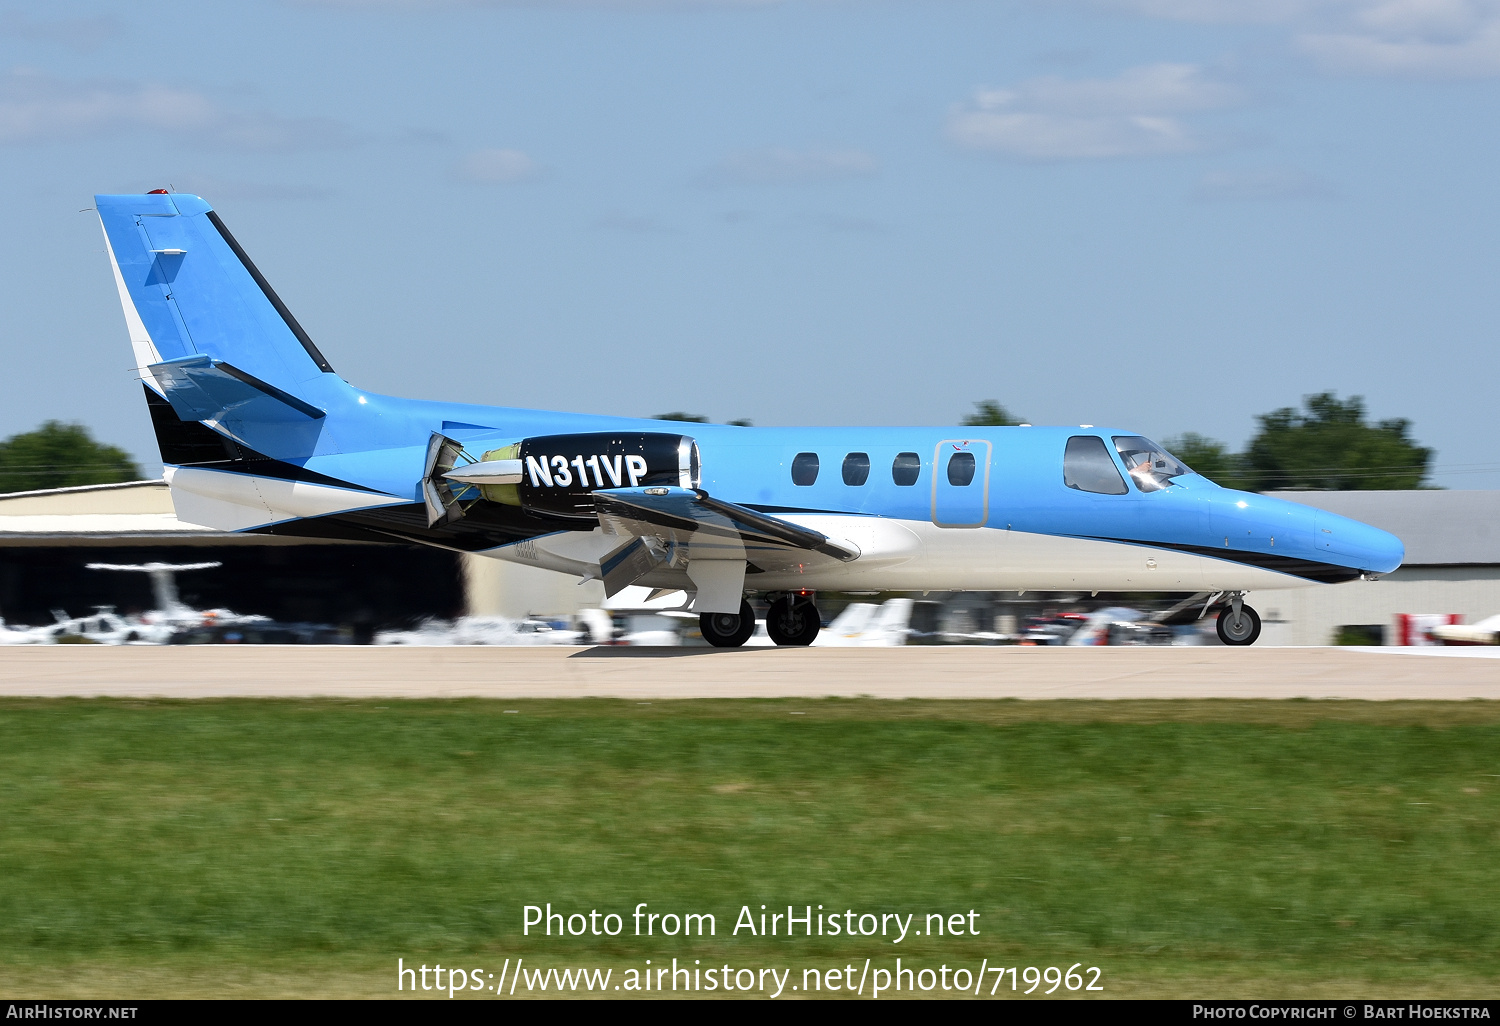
(1160, 215)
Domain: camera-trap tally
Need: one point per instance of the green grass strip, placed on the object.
(1185, 847)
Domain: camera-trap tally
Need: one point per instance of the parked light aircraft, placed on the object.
(102, 627)
(257, 433)
(866, 625)
(154, 627)
(1485, 632)
(169, 609)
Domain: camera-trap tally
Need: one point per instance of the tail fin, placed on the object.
(189, 291)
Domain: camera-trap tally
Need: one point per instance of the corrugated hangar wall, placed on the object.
(495, 587)
(1312, 616)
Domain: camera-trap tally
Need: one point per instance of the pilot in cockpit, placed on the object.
(1150, 466)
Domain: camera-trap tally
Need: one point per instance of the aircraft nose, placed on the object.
(1356, 544)
(1386, 551)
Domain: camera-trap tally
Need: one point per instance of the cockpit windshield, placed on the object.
(1151, 467)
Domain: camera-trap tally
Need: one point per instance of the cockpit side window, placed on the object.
(804, 468)
(1088, 468)
(1151, 467)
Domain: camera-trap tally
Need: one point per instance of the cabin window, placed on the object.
(906, 468)
(1150, 466)
(805, 468)
(961, 469)
(1088, 467)
(856, 469)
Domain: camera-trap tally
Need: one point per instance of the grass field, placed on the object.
(1186, 848)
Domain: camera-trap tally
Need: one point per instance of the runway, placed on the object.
(642, 674)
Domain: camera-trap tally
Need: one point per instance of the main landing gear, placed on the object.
(792, 620)
(1238, 623)
(728, 630)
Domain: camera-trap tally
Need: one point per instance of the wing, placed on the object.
(656, 522)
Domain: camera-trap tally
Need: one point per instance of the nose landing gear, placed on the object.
(1238, 624)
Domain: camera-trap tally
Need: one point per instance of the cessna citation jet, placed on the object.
(259, 434)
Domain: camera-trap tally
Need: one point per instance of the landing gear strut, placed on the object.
(1238, 624)
(728, 630)
(793, 619)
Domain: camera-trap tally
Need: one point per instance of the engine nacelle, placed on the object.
(559, 473)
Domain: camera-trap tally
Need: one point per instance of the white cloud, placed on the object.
(1132, 115)
(496, 167)
(777, 165)
(1262, 184)
(37, 108)
(1431, 38)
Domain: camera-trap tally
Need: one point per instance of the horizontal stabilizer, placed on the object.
(202, 388)
(692, 510)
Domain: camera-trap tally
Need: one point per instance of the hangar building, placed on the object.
(48, 537)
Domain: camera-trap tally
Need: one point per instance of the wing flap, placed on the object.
(660, 518)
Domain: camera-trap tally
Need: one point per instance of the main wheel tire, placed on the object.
(728, 630)
(1243, 631)
(790, 623)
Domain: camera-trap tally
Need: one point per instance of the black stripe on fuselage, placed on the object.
(1308, 569)
(762, 508)
(189, 443)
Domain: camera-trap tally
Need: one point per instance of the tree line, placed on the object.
(58, 455)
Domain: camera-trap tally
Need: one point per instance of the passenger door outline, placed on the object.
(954, 505)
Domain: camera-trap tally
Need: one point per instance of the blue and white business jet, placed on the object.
(259, 434)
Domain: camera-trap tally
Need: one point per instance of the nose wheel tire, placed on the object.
(793, 623)
(728, 630)
(1241, 630)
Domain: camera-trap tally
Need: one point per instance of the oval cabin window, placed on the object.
(804, 468)
(856, 469)
(961, 469)
(906, 468)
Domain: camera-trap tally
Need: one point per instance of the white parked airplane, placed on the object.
(102, 627)
(1485, 632)
(106, 627)
(866, 625)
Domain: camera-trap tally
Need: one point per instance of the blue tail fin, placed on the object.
(189, 290)
(210, 334)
